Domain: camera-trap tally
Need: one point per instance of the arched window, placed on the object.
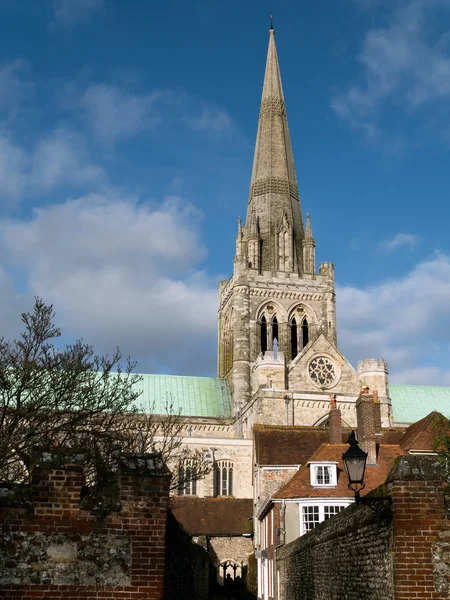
(275, 329)
(294, 341)
(223, 478)
(305, 332)
(187, 480)
(263, 335)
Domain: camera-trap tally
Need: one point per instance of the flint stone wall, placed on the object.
(53, 545)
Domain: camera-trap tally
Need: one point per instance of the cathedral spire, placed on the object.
(273, 188)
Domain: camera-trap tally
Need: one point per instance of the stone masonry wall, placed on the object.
(54, 546)
(345, 557)
(357, 555)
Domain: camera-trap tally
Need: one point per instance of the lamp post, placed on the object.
(355, 459)
(355, 464)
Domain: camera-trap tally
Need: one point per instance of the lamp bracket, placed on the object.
(380, 505)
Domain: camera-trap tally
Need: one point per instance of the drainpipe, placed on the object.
(283, 536)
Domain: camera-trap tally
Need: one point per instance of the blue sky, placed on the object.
(126, 143)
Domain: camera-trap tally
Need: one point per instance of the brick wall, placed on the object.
(357, 555)
(54, 546)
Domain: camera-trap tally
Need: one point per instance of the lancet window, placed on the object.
(274, 329)
(187, 481)
(299, 335)
(223, 478)
(305, 332)
(294, 339)
(263, 334)
(269, 330)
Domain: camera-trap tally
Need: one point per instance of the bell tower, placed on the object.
(275, 292)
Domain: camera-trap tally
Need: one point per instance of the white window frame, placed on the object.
(314, 467)
(321, 504)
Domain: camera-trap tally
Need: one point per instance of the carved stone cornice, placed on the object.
(291, 295)
(242, 290)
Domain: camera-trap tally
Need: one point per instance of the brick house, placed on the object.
(318, 489)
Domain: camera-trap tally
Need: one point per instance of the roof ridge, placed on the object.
(417, 385)
(179, 376)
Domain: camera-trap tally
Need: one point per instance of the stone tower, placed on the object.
(275, 292)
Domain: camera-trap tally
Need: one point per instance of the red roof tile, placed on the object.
(288, 445)
(420, 435)
(299, 486)
(214, 516)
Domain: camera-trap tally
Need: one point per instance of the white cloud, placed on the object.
(70, 12)
(116, 113)
(122, 273)
(13, 166)
(399, 240)
(406, 63)
(212, 120)
(57, 159)
(405, 321)
(62, 158)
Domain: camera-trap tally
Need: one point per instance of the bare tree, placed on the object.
(74, 398)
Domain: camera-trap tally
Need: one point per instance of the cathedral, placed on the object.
(279, 362)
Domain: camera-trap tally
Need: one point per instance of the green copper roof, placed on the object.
(410, 403)
(191, 396)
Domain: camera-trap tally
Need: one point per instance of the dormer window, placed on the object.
(323, 474)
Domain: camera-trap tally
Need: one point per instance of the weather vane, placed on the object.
(271, 21)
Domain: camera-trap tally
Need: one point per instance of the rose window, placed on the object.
(322, 371)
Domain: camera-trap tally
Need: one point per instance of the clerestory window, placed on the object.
(187, 480)
(223, 478)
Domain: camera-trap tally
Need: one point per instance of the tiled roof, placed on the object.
(299, 486)
(420, 435)
(287, 445)
(192, 396)
(214, 516)
(410, 403)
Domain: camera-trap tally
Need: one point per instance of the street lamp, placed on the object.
(355, 459)
(355, 464)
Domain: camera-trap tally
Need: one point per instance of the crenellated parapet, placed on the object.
(54, 534)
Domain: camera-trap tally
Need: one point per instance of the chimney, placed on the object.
(366, 421)
(377, 409)
(334, 423)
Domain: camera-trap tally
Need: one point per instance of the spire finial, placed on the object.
(308, 232)
(271, 23)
